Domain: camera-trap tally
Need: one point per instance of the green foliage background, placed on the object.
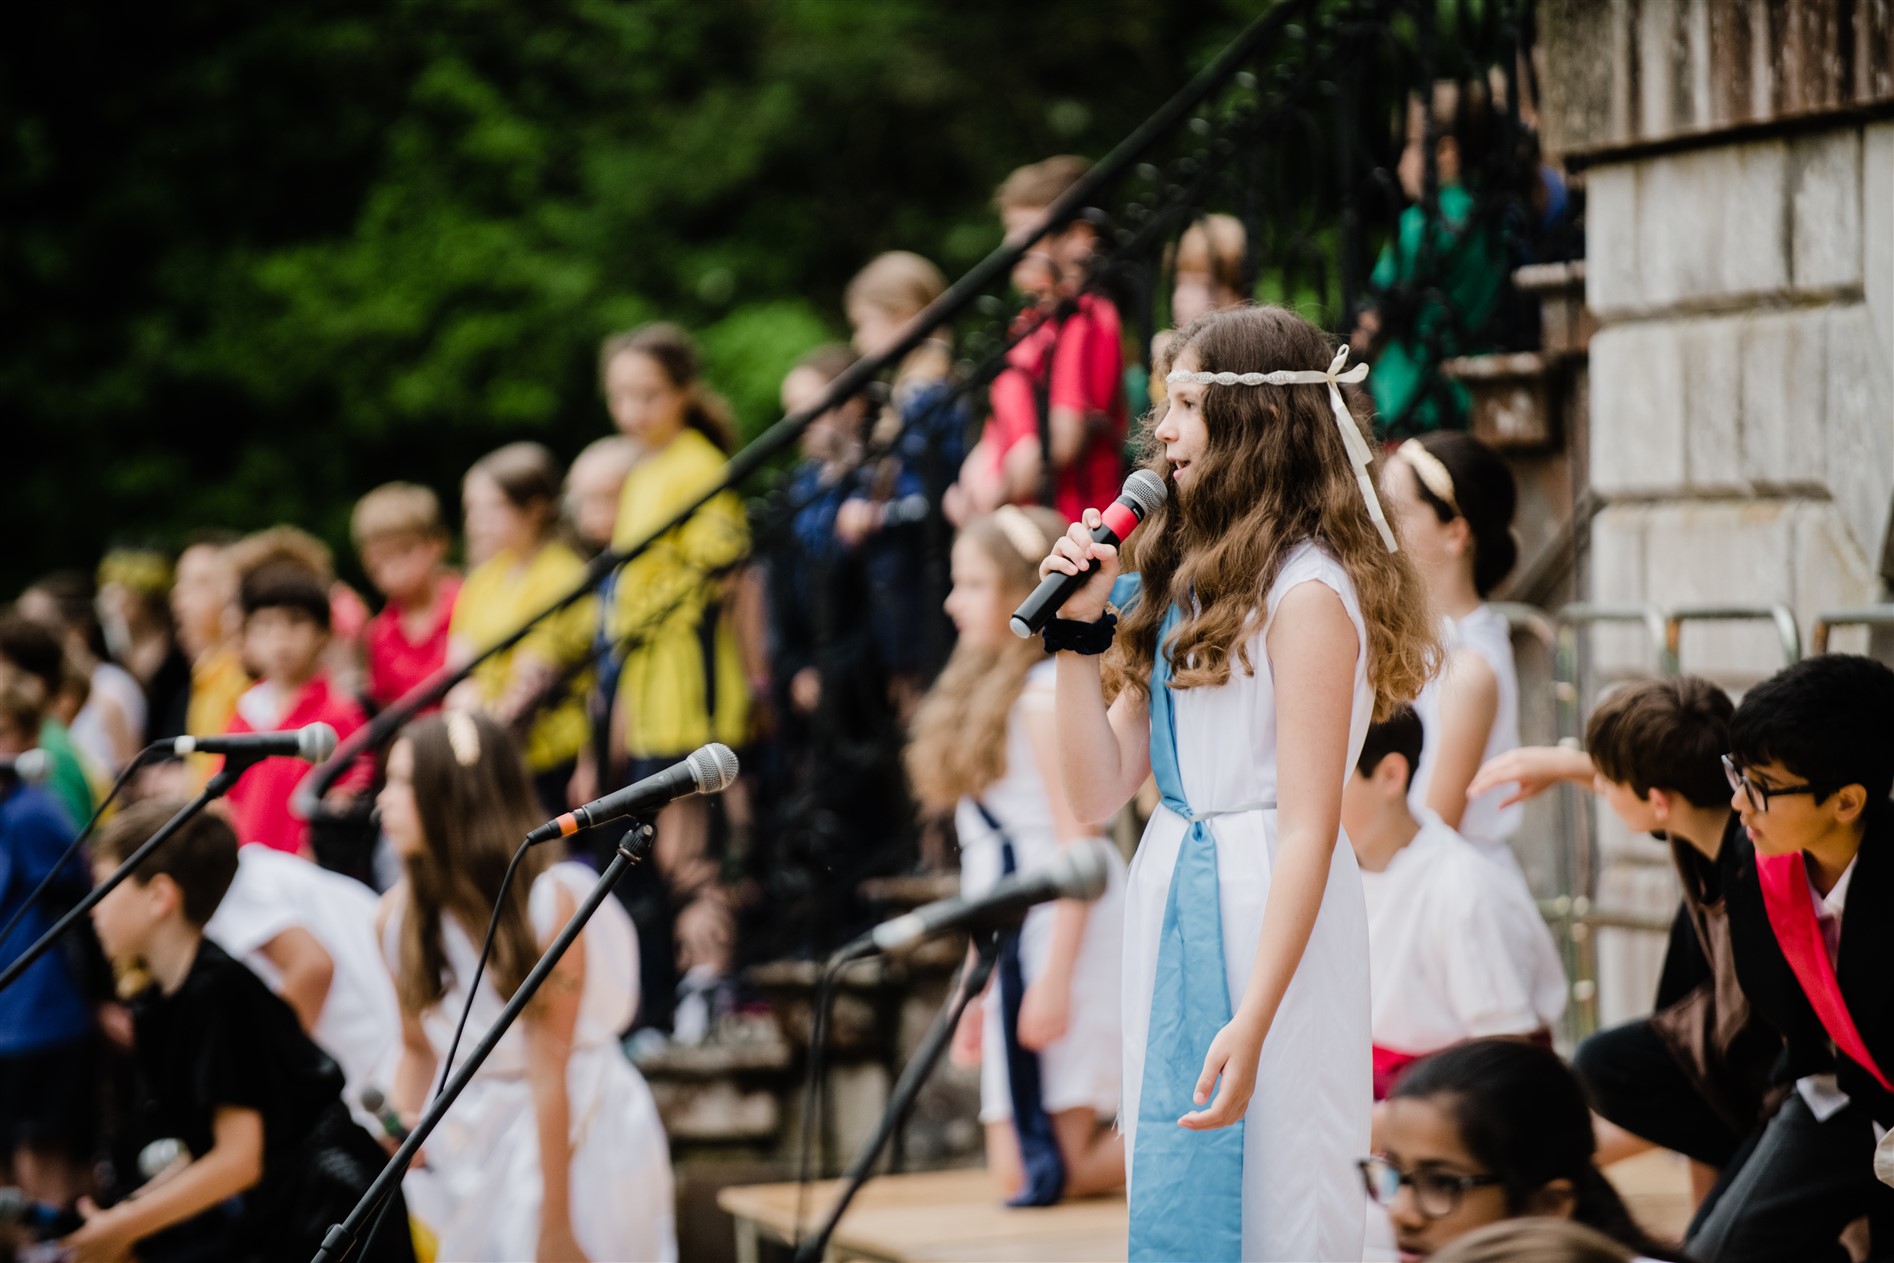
(257, 258)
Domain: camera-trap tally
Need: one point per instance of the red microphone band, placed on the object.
(1120, 518)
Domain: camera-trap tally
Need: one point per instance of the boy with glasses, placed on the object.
(1810, 767)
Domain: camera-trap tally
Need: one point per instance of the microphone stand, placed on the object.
(234, 767)
(341, 1238)
(919, 1067)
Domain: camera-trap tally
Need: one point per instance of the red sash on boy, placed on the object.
(1790, 903)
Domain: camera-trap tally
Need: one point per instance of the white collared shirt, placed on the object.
(1820, 1092)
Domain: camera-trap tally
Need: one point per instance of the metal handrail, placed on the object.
(1787, 633)
(1861, 616)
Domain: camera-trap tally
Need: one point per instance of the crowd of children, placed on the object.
(1319, 1004)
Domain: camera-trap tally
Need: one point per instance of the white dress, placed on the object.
(1459, 949)
(480, 1191)
(1307, 1123)
(1079, 1070)
(360, 1023)
(1485, 823)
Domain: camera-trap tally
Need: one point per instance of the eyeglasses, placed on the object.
(1436, 1193)
(1759, 795)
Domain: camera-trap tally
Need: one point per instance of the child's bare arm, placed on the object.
(1532, 770)
(233, 1164)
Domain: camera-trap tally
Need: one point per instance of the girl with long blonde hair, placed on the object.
(554, 1151)
(1271, 621)
(1046, 1033)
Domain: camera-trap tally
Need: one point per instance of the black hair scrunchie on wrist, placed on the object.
(1064, 634)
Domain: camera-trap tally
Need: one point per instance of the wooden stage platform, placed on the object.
(955, 1217)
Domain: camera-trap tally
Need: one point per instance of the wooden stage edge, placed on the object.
(956, 1217)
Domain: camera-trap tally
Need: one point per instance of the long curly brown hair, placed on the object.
(958, 743)
(1274, 473)
(473, 816)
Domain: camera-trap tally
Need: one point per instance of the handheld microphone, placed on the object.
(31, 766)
(1143, 492)
(377, 1104)
(312, 743)
(708, 770)
(1080, 872)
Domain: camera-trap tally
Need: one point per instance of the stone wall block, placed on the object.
(1831, 571)
(1877, 251)
(1825, 202)
(1720, 553)
(1783, 357)
(1630, 960)
(1682, 223)
(1860, 431)
(1710, 351)
(1637, 383)
(1753, 243)
(1614, 281)
(1619, 537)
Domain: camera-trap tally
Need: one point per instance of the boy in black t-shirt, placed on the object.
(223, 1066)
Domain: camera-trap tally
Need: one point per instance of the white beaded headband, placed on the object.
(1358, 454)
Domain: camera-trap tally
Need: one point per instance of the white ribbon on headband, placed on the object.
(1358, 454)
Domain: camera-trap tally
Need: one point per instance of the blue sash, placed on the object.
(1041, 1164)
(1186, 1186)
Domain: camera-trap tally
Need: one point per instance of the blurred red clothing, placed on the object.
(259, 801)
(1086, 356)
(395, 663)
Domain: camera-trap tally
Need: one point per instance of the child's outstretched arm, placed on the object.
(234, 1163)
(1312, 648)
(1104, 754)
(1532, 770)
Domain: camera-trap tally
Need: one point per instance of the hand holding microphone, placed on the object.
(1076, 578)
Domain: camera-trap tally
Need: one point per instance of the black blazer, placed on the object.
(1865, 969)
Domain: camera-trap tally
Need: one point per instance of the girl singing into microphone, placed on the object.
(555, 1150)
(1046, 1032)
(1272, 619)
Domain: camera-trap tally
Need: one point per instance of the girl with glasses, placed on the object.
(1488, 1130)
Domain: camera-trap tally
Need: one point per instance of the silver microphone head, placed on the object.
(1145, 490)
(372, 1099)
(713, 767)
(315, 742)
(1082, 870)
(32, 766)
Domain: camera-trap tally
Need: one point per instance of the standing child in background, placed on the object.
(1207, 276)
(554, 1150)
(1423, 317)
(1692, 1077)
(594, 485)
(135, 618)
(403, 550)
(110, 728)
(273, 1157)
(1247, 1078)
(348, 613)
(1458, 949)
(892, 515)
(1454, 498)
(1046, 1033)
(511, 499)
(204, 606)
(33, 651)
(48, 1053)
(285, 634)
(682, 680)
(1076, 364)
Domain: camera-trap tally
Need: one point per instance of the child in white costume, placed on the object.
(1046, 1034)
(310, 935)
(1274, 617)
(555, 1149)
(1458, 947)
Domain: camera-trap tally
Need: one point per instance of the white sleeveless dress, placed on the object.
(1307, 1123)
(1080, 1069)
(480, 1191)
(1485, 823)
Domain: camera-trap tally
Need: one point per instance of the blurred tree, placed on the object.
(255, 259)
